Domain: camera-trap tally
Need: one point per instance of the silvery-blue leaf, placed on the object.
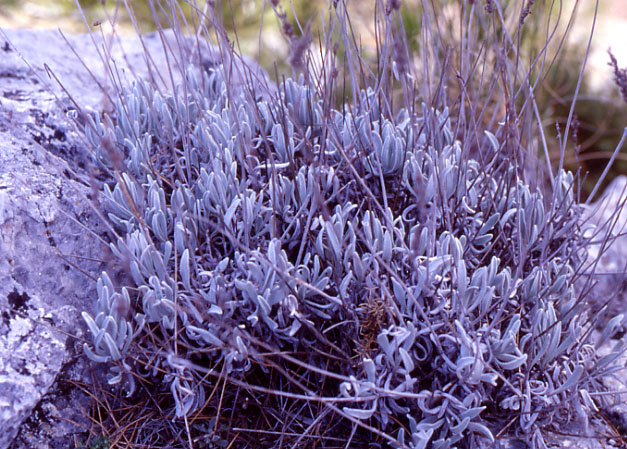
(387, 246)
(539, 346)
(612, 327)
(93, 356)
(215, 310)
(481, 429)
(184, 270)
(552, 337)
(167, 252)
(278, 140)
(345, 284)
(488, 378)
(359, 413)
(400, 436)
(511, 403)
(103, 294)
(573, 378)
(514, 326)
(460, 427)
(136, 274)
(159, 226)
(114, 377)
(101, 317)
(346, 389)
(147, 261)
(483, 240)
(93, 328)
(506, 283)
(472, 413)
(183, 405)
(179, 239)
(534, 235)
(320, 246)
(462, 280)
(456, 249)
(111, 346)
(107, 284)
(274, 250)
(489, 224)
(241, 347)
(208, 336)
(421, 438)
(253, 319)
(224, 263)
(247, 288)
(466, 367)
(467, 208)
(511, 361)
(506, 216)
(450, 182)
(423, 242)
(407, 359)
(384, 343)
(385, 155)
(334, 240)
(358, 267)
(264, 305)
(430, 423)
(272, 325)
(587, 400)
(436, 264)
(370, 369)
(399, 293)
(303, 113)
(123, 332)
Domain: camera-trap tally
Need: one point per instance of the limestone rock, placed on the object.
(609, 294)
(46, 255)
(608, 215)
(45, 260)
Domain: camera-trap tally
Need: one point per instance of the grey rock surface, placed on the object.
(608, 256)
(610, 215)
(46, 254)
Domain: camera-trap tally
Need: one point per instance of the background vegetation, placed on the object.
(600, 112)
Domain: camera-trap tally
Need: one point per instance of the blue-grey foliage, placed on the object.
(431, 294)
